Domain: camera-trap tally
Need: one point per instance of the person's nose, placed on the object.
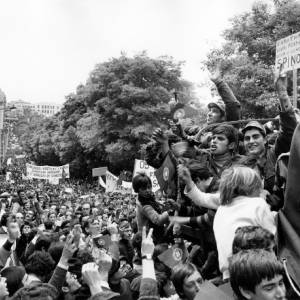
(281, 292)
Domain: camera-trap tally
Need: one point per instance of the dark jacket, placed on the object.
(232, 105)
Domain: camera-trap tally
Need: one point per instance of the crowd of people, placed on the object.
(212, 235)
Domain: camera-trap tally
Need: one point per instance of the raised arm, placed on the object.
(232, 105)
(288, 120)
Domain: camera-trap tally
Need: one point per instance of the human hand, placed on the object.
(147, 243)
(215, 74)
(172, 204)
(112, 228)
(68, 250)
(160, 136)
(92, 277)
(280, 78)
(72, 282)
(176, 229)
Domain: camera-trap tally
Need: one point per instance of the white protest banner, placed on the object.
(20, 156)
(140, 166)
(288, 52)
(111, 182)
(47, 172)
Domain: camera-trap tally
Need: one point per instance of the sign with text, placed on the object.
(288, 52)
(47, 172)
(140, 166)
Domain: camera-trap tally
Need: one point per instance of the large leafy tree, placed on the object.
(110, 116)
(248, 55)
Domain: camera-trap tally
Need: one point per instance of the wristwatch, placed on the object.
(147, 256)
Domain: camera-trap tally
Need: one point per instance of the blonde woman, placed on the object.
(241, 205)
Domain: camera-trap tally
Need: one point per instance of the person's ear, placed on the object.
(246, 294)
(232, 146)
(265, 140)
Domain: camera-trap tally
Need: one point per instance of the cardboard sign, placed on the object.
(111, 182)
(288, 52)
(140, 166)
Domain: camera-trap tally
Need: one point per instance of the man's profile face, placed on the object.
(273, 289)
(214, 115)
(254, 142)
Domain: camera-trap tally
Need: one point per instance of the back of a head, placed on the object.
(252, 237)
(40, 263)
(55, 250)
(14, 276)
(43, 243)
(239, 181)
(40, 291)
(198, 170)
(141, 180)
(248, 268)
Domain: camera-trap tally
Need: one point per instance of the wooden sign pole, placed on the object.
(295, 91)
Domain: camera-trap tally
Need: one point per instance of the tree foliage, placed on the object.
(110, 116)
(247, 58)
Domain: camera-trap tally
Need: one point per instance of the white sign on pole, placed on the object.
(140, 166)
(111, 182)
(288, 52)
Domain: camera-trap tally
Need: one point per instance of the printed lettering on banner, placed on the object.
(288, 52)
(140, 166)
(47, 172)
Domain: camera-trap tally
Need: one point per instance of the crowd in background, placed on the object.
(212, 235)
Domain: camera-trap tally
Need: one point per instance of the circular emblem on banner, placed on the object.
(179, 114)
(101, 242)
(166, 173)
(177, 254)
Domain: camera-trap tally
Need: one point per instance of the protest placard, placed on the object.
(111, 182)
(140, 166)
(288, 52)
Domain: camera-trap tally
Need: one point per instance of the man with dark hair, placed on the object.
(253, 237)
(257, 275)
(262, 156)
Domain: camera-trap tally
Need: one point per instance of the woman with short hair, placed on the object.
(241, 205)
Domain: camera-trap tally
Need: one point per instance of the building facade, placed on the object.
(45, 109)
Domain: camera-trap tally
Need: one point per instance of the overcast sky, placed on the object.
(48, 47)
